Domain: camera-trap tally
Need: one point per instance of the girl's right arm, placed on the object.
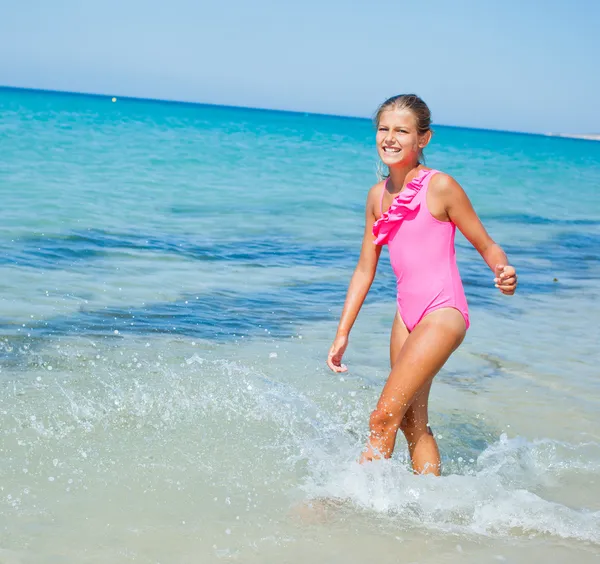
(360, 283)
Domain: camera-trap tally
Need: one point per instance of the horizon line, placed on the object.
(575, 137)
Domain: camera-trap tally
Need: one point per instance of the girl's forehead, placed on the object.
(397, 116)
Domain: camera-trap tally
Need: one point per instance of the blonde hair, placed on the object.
(417, 107)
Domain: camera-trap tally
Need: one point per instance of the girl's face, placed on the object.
(398, 140)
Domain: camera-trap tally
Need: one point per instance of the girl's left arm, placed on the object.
(460, 211)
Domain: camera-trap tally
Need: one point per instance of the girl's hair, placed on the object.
(415, 105)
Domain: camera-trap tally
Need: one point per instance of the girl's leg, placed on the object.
(423, 352)
(424, 453)
(423, 449)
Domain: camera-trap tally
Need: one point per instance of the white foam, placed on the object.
(494, 498)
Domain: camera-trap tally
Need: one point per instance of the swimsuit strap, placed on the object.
(382, 195)
(427, 178)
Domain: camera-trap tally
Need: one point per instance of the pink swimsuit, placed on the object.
(422, 254)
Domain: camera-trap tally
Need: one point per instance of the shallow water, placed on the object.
(172, 279)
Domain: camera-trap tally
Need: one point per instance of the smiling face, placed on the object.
(398, 140)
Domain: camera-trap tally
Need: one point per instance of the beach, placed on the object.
(172, 278)
(586, 136)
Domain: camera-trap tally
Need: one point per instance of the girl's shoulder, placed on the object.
(439, 177)
(443, 185)
(374, 198)
(376, 191)
(378, 187)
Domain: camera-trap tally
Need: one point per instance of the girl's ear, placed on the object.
(424, 139)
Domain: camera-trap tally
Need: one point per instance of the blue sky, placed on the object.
(518, 65)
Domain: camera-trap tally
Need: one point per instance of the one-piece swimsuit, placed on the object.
(422, 254)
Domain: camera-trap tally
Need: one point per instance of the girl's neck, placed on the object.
(399, 176)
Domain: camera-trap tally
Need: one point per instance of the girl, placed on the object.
(415, 211)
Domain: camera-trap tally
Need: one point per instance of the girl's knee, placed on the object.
(382, 420)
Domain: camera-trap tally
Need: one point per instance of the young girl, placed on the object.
(415, 211)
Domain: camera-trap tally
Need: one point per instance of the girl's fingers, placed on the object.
(505, 275)
(507, 286)
(335, 364)
(507, 289)
(510, 281)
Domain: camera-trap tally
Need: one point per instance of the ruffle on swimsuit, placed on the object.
(402, 204)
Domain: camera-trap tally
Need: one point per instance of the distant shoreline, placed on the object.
(587, 136)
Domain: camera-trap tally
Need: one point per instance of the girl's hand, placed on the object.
(506, 279)
(334, 359)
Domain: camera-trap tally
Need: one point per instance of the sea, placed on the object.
(171, 280)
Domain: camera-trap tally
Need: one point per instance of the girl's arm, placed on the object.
(460, 211)
(360, 283)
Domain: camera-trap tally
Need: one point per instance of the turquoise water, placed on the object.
(172, 276)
